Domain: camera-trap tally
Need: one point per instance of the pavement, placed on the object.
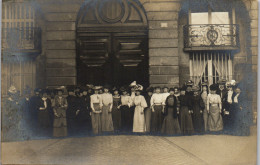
(135, 150)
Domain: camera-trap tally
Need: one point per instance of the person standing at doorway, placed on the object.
(85, 111)
(185, 112)
(197, 107)
(140, 104)
(106, 115)
(95, 104)
(228, 109)
(60, 106)
(157, 109)
(204, 96)
(170, 124)
(214, 107)
(125, 110)
(116, 112)
(148, 110)
(44, 114)
(71, 111)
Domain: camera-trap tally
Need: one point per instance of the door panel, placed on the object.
(112, 58)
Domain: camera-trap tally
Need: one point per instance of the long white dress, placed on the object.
(139, 121)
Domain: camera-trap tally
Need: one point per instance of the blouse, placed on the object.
(125, 100)
(157, 98)
(106, 99)
(95, 99)
(213, 99)
(140, 101)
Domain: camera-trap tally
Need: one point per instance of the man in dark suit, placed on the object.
(71, 111)
(228, 109)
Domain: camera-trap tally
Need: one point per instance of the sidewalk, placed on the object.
(132, 150)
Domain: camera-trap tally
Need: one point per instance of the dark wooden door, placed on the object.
(115, 58)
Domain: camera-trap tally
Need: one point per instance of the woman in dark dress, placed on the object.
(44, 114)
(60, 110)
(116, 112)
(170, 124)
(185, 112)
(197, 109)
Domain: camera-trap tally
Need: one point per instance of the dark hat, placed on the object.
(115, 89)
(222, 81)
(189, 83)
(176, 88)
(37, 90)
(83, 88)
(213, 87)
(183, 88)
(165, 87)
(171, 89)
(123, 89)
(149, 89)
(205, 83)
(195, 88)
(70, 88)
(47, 91)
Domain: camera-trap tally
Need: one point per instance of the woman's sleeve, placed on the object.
(143, 102)
(91, 103)
(208, 102)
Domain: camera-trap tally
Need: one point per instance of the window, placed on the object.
(18, 31)
(210, 63)
(210, 66)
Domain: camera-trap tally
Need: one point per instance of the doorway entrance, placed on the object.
(112, 48)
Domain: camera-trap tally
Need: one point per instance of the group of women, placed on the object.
(187, 110)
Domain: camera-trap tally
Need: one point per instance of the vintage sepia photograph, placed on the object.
(129, 82)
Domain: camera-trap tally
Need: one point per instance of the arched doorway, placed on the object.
(112, 43)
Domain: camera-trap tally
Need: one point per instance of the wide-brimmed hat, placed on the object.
(205, 83)
(97, 87)
(115, 89)
(189, 83)
(183, 88)
(133, 84)
(37, 90)
(12, 89)
(195, 88)
(171, 89)
(222, 81)
(138, 87)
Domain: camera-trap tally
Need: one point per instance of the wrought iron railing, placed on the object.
(211, 36)
(21, 40)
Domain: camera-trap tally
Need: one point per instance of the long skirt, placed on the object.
(197, 119)
(139, 122)
(215, 122)
(116, 116)
(170, 124)
(205, 119)
(148, 115)
(44, 119)
(126, 118)
(96, 120)
(157, 119)
(106, 119)
(186, 121)
(60, 124)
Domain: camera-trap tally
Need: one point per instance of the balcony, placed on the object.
(211, 37)
(22, 42)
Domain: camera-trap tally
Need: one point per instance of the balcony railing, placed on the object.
(21, 41)
(211, 37)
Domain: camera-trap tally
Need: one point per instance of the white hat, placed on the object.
(233, 82)
(12, 89)
(139, 87)
(133, 84)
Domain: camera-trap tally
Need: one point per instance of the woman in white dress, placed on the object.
(214, 106)
(140, 105)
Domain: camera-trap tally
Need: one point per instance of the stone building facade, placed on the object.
(167, 60)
